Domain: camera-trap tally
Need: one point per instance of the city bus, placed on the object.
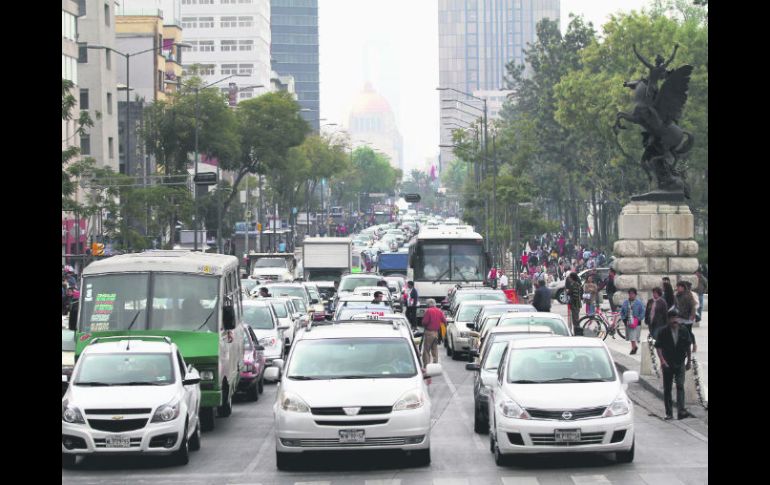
(441, 258)
(195, 300)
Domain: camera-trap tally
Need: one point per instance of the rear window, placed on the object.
(557, 325)
(258, 317)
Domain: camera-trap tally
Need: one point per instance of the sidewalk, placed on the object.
(620, 353)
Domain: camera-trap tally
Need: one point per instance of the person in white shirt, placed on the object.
(503, 281)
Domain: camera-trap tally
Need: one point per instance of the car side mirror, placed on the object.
(471, 326)
(473, 367)
(64, 378)
(191, 378)
(228, 317)
(278, 363)
(630, 376)
(259, 348)
(272, 373)
(450, 319)
(314, 301)
(432, 370)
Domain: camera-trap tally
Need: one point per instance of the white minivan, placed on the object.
(355, 384)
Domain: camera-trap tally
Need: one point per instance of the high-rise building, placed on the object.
(372, 121)
(294, 25)
(229, 37)
(70, 225)
(477, 38)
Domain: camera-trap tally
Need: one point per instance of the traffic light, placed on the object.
(97, 249)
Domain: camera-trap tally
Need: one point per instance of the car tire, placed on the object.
(68, 460)
(252, 392)
(195, 441)
(448, 350)
(480, 425)
(182, 455)
(421, 457)
(226, 409)
(562, 297)
(207, 419)
(455, 354)
(261, 383)
(626, 456)
(500, 459)
(283, 461)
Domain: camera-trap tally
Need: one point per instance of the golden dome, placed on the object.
(370, 102)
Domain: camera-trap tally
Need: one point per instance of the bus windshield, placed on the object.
(449, 262)
(179, 302)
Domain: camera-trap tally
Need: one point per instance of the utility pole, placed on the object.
(248, 222)
(259, 212)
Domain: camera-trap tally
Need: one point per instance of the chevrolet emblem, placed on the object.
(351, 411)
(117, 417)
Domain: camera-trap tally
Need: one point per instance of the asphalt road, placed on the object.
(241, 450)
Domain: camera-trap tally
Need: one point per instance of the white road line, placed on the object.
(450, 481)
(466, 419)
(660, 479)
(268, 441)
(313, 483)
(389, 481)
(520, 481)
(590, 480)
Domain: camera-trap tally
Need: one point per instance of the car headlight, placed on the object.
(71, 414)
(207, 375)
(267, 341)
(511, 409)
(484, 391)
(619, 407)
(166, 412)
(410, 400)
(291, 402)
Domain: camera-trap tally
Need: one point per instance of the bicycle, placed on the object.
(602, 324)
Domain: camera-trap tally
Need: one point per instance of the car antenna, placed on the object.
(128, 330)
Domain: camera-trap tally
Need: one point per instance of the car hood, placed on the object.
(564, 396)
(351, 392)
(120, 397)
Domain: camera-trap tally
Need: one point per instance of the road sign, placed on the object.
(205, 178)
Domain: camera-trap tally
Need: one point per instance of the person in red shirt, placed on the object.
(432, 321)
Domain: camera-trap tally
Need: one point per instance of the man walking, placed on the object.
(701, 289)
(542, 299)
(655, 314)
(503, 281)
(411, 304)
(673, 345)
(685, 306)
(432, 321)
(575, 293)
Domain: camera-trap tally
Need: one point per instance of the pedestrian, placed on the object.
(656, 311)
(575, 293)
(609, 286)
(542, 299)
(668, 292)
(411, 304)
(492, 277)
(432, 321)
(503, 281)
(685, 306)
(590, 292)
(701, 289)
(264, 292)
(673, 345)
(632, 314)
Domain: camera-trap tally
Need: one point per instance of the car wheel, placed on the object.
(68, 460)
(252, 393)
(283, 461)
(182, 455)
(261, 384)
(448, 350)
(195, 439)
(625, 456)
(561, 295)
(226, 409)
(421, 457)
(480, 425)
(455, 354)
(207, 419)
(500, 459)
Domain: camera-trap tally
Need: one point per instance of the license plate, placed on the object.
(566, 435)
(352, 436)
(118, 442)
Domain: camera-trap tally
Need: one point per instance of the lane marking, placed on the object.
(450, 481)
(388, 481)
(269, 440)
(590, 479)
(466, 419)
(520, 481)
(660, 479)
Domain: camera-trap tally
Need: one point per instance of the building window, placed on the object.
(83, 53)
(83, 99)
(193, 46)
(189, 22)
(228, 69)
(245, 94)
(228, 22)
(85, 144)
(206, 70)
(225, 2)
(245, 21)
(205, 22)
(206, 2)
(107, 14)
(243, 1)
(69, 68)
(108, 58)
(109, 103)
(245, 69)
(228, 45)
(189, 2)
(68, 26)
(111, 147)
(245, 45)
(206, 46)
(81, 8)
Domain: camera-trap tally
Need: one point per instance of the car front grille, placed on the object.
(119, 411)
(548, 439)
(117, 425)
(102, 443)
(557, 415)
(360, 422)
(338, 411)
(335, 442)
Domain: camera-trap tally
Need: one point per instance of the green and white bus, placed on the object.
(195, 300)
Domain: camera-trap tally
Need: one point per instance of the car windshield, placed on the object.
(248, 284)
(179, 302)
(67, 340)
(300, 304)
(489, 323)
(557, 325)
(350, 284)
(352, 358)
(467, 312)
(457, 262)
(287, 291)
(560, 364)
(125, 369)
(323, 275)
(270, 263)
(497, 295)
(258, 317)
(280, 309)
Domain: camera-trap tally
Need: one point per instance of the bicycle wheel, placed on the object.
(620, 329)
(593, 326)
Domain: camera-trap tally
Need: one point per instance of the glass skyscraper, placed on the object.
(294, 25)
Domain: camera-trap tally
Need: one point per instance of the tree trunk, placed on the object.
(594, 209)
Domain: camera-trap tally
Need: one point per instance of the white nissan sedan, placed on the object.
(355, 384)
(130, 396)
(560, 394)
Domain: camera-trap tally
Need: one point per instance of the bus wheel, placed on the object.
(207, 419)
(226, 409)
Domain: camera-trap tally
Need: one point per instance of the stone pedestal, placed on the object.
(655, 240)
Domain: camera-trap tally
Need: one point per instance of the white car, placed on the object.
(286, 314)
(369, 291)
(459, 333)
(560, 394)
(552, 320)
(270, 270)
(355, 384)
(260, 316)
(131, 396)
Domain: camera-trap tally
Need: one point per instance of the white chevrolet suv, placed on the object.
(130, 396)
(354, 384)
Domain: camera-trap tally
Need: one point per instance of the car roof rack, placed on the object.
(131, 337)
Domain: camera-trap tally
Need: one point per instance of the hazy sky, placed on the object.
(394, 45)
